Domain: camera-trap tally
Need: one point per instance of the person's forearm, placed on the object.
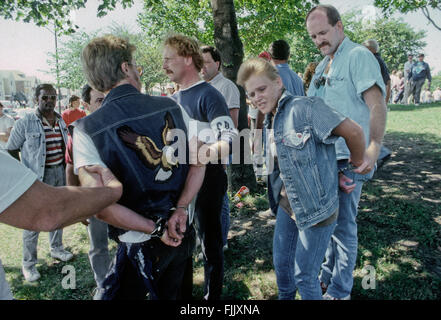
(4, 136)
(234, 114)
(71, 177)
(192, 185)
(354, 138)
(356, 145)
(125, 218)
(218, 150)
(46, 208)
(377, 127)
(377, 122)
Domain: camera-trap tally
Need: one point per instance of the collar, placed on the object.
(194, 85)
(217, 77)
(120, 91)
(282, 65)
(280, 104)
(341, 47)
(40, 115)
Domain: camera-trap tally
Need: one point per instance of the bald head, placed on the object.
(372, 45)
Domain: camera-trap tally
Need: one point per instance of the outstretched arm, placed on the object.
(46, 208)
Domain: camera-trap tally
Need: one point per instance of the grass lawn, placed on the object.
(399, 231)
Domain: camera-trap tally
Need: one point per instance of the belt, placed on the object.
(54, 166)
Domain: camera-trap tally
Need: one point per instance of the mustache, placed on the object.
(325, 43)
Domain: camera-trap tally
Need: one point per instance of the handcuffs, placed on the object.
(160, 223)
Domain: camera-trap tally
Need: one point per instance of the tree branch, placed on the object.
(425, 11)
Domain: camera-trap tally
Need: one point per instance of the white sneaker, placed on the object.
(61, 254)
(31, 274)
(327, 296)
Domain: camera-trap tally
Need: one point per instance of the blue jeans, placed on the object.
(53, 176)
(341, 254)
(99, 257)
(297, 256)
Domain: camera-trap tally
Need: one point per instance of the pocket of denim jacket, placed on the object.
(296, 139)
(33, 139)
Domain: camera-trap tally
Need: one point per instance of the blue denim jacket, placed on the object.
(306, 156)
(28, 136)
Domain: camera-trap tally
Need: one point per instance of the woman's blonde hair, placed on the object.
(256, 66)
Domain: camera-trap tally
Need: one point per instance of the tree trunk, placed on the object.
(227, 41)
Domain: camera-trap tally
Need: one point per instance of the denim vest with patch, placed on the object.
(129, 133)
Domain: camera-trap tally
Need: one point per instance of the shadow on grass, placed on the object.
(412, 107)
(399, 222)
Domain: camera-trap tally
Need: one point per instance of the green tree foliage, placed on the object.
(395, 37)
(259, 21)
(48, 12)
(69, 57)
(404, 6)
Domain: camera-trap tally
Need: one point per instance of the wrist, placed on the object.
(159, 227)
(183, 207)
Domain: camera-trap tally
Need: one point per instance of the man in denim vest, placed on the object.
(133, 135)
(349, 80)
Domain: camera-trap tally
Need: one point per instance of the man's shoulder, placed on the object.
(6, 118)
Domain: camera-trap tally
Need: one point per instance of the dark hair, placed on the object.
(214, 53)
(331, 13)
(43, 86)
(85, 93)
(279, 50)
(72, 99)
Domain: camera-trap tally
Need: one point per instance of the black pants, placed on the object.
(207, 222)
(147, 267)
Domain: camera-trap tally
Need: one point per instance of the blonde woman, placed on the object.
(301, 132)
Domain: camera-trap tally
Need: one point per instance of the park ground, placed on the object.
(399, 221)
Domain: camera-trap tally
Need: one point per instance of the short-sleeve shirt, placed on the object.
(207, 109)
(291, 81)
(16, 179)
(71, 115)
(228, 89)
(353, 71)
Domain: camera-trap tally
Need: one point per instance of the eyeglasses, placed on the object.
(321, 82)
(139, 68)
(46, 98)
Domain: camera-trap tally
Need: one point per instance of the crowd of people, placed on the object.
(149, 172)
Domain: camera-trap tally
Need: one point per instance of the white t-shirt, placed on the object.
(228, 90)
(6, 122)
(15, 180)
